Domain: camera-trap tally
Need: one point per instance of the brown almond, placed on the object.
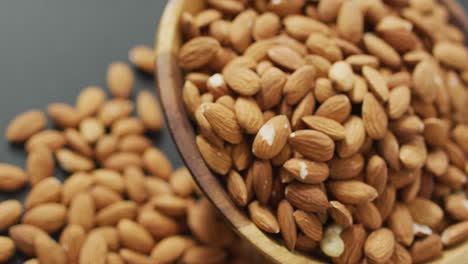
(73, 162)
(271, 138)
(341, 74)
(368, 215)
(287, 224)
(143, 57)
(374, 118)
(113, 110)
(455, 233)
(346, 168)
(354, 238)
(50, 138)
(426, 249)
(134, 236)
(82, 211)
(211, 154)
(49, 251)
(401, 224)
(11, 211)
(309, 198)
(94, 250)
(337, 107)
(48, 190)
(170, 204)
(266, 26)
(157, 224)
(382, 50)
(171, 248)
(120, 160)
(71, 240)
(285, 57)
(263, 218)
(209, 255)
(110, 179)
(355, 136)
(197, 52)
(352, 192)
(25, 125)
(112, 214)
(237, 188)
(324, 46)
(78, 143)
(49, 217)
(425, 212)
(262, 180)
(134, 143)
(312, 144)
(7, 249)
(249, 116)
(223, 121)
(92, 129)
(340, 214)
(309, 224)
(350, 21)
(377, 173)
(426, 88)
(105, 146)
(64, 115)
(307, 171)
(40, 164)
(377, 83)
(325, 125)
(157, 163)
(300, 27)
(135, 184)
(451, 54)
(120, 79)
(12, 178)
(380, 245)
(149, 111)
(271, 88)
(399, 100)
(104, 196)
(90, 100)
(23, 236)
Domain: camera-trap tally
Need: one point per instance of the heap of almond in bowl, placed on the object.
(340, 125)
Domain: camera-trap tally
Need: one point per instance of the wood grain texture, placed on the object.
(170, 80)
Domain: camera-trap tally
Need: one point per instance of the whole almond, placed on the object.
(451, 54)
(94, 250)
(323, 89)
(271, 88)
(170, 204)
(104, 196)
(90, 100)
(48, 190)
(71, 240)
(106, 146)
(262, 180)
(112, 214)
(342, 76)
(300, 27)
(352, 192)
(355, 135)
(312, 144)
(77, 142)
(50, 138)
(135, 184)
(157, 163)
(271, 137)
(285, 57)
(171, 248)
(426, 88)
(346, 168)
(92, 129)
(64, 115)
(113, 110)
(455, 207)
(12, 178)
(120, 79)
(359, 61)
(398, 101)
(120, 160)
(337, 107)
(377, 173)
(426, 249)
(380, 245)
(382, 50)
(241, 156)
(73, 162)
(223, 121)
(401, 223)
(134, 236)
(82, 211)
(143, 57)
(266, 26)
(206, 17)
(49, 217)
(309, 224)
(197, 52)
(354, 238)
(425, 212)
(287, 224)
(25, 125)
(127, 126)
(325, 125)
(298, 84)
(110, 235)
(249, 116)
(237, 188)
(309, 198)
(242, 80)
(324, 46)
(49, 251)
(191, 97)
(340, 214)
(327, 10)
(149, 111)
(201, 219)
(110, 179)
(307, 171)
(134, 143)
(350, 21)
(374, 117)
(23, 236)
(263, 218)
(368, 215)
(10, 213)
(455, 233)
(211, 154)
(376, 82)
(7, 249)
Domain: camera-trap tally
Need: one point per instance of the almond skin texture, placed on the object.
(263, 218)
(298, 84)
(10, 213)
(242, 80)
(337, 107)
(307, 171)
(223, 121)
(325, 125)
(425, 212)
(380, 245)
(271, 137)
(25, 125)
(197, 52)
(287, 224)
(352, 192)
(312, 144)
(374, 117)
(309, 224)
(12, 178)
(52, 139)
(309, 198)
(249, 116)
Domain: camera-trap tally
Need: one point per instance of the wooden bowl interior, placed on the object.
(170, 82)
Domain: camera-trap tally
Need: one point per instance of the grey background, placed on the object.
(50, 49)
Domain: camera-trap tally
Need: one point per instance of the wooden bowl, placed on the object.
(170, 82)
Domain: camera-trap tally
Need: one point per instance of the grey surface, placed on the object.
(50, 49)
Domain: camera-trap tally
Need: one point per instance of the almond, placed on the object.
(262, 180)
(359, 61)
(312, 144)
(399, 100)
(380, 245)
(48, 190)
(271, 138)
(354, 238)
(382, 50)
(271, 88)
(25, 125)
(73, 162)
(355, 135)
(374, 117)
(71, 240)
(157, 224)
(110, 179)
(368, 215)
(266, 26)
(460, 136)
(377, 173)
(237, 188)
(263, 218)
(82, 211)
(11, 211)
(300, 27)
(134, 236)
(170, 204)
(197, 52)
(376, 82)
(103, 196)
(325, 125)
(389, 149)
(64, 115)
(426, 249)
(241, 156)
(112, 214)
(106, 146)
(7, 249)
(149, 111)
(135, 184)
(285, 57)
(77, 142)
(352, 192)
(309, 198)
(50, 138)
(171, 248)
(305, 107)
(350, 22)
(342, 76)
(134, 143)
(143, 57)
(249, 116)
(307, 171)
(337, 107)
(12, 178)
(451, 54)
(323, 89)
(346, 168)
(425, 212)
(206, 17)
(49, 251)
(223, 121)
(340, 214)
(120, 160)
(401, 224)
(90, 100)
(324, 46)
(455, 207)
(426, 80)
(211, 154)
(113, 110)
(287, 224)
(327, 10)
(120, 79)
(309, 224)
(94, 250)
(92, 129)
(49, 217)
(455, 233)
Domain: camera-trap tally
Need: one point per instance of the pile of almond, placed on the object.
(122, 202)
(341, 125)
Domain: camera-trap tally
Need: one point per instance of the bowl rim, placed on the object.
(169, 85)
